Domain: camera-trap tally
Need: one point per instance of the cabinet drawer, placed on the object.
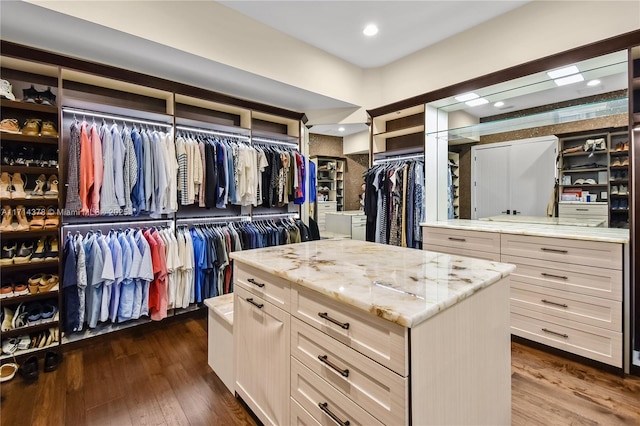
(468, 240)
(300, 416)
(591, 310)
(495, 257)
(327, 207)
(582, 210)
(599, 282)
(273, 289)
(381, 340)
(358, 220)
(373, 387)
(310, 391)
(562, 250)
(591, 342)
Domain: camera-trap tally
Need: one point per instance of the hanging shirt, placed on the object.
(130, 171)
(137, 193)
(86, 170)
(73, 204)
(108, 201)
(98, 170)
(71, 313)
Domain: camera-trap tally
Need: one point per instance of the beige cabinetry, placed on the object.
(577, 210)
(565, 293)
(347, 223)
(324, 207)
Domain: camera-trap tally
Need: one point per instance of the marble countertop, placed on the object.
(543, 220)
(608, 235)
(402, 285)
(222, 305)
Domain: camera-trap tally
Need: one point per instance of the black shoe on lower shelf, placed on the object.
(29, 369)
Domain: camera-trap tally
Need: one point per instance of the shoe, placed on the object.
(48, 310)
(9, 346)
(8, 252)
(24, 342)
(48, 129)
(626, 146)
(614, 190)
(47, 97)
(23, 255)
(20, 317)
(8, 371)
(6, 90)
(30, 95)
(625, 162)
(37, 218)
(9, 125)
(18, 187)
(38, 253)
(52, 187)
(623, 190)
(20, 289)
(7, 219)
(615, 204)
(21, 215)
(6, 291)
(48, 282)
(38, 191)
(52, 219)
(29, 369)
(624, 204)
(616, 163)
(32, 127)
(51, 361)
(5, 185)
(7, 322)
(52, 250)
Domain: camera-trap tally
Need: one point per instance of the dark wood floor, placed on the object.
(161, 377)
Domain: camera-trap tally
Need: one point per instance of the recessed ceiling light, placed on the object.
(562, 72)
(498, 104)
(476, 102)
(569, 80)
(370, 30)
(593, 83)
(341, 129)
(466, 97)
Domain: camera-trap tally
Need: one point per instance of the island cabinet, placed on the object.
(372, 346)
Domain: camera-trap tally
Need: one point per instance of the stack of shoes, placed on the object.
(31, 251)
(29, 314)
(31, 95)
(13, 289)
(29, 156)
(8, 215)
(12, 186)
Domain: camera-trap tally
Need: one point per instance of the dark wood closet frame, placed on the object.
(624, 41)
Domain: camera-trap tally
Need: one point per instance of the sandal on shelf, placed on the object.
(7, 219)
(23, 255)
(18, 187)
(48, 283)
(38, 254)
(34, 282)
(5, 184)
(37, 218)
(52, 220)
(52, 251)
(8, 371)
(52, 191)
(38, 191)
(8, 252)
(21, 215)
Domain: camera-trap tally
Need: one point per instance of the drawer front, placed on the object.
(599, 210)
(591, 342)
(380, 340)
(300, 416)
(599, 282)
(327, 207)
(358, 220)
(495, 257)
(571, 306)
(373, 387)
(310, 391)
(562, 250)
(460, 239)
(273, 289)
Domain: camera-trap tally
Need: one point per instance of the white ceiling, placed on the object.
(405, 26)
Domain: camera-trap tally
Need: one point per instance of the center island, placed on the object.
(352, 332)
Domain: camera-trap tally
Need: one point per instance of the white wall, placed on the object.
(357, 143)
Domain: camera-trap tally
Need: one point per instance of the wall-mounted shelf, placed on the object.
(27, 106)
(19, 137)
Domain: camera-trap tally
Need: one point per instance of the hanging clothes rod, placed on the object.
(213, 132)
(273, 141)
(107, 226)
(113, 117)
(213, 219)
(399, 158)
(275, 215)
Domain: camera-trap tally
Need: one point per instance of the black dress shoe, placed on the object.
(29, 369)
(51, 361)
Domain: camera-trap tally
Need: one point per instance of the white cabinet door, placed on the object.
(262, 361)
(533, 174)
(490, 182)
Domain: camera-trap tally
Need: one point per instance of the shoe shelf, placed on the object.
(618, 153)
(597, 185)
(583, 153)
(30, 170)
(30, 265)
(30, 201)
(24, 352)
(32, 233)
(619, 167)
(30, 329)
(599, 169)
(14, 300)
(619, 181)
(19, 137)
(28, 106)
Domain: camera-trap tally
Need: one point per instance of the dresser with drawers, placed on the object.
(329, 333)
(566, 292)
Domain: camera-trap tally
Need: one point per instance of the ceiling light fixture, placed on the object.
(341, 129)
(563, 72)
(569, 80)
(498, 104)
(370, 30)
(593, 83)
(476, 102)
(466, 97)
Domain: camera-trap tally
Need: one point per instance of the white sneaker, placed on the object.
(614, 190)
(623, 190)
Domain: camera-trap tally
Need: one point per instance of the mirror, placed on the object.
(553, 144)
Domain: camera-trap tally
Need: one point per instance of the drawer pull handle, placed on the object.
(252, 281)
(326, 316)
(257, 305)
(549, 302)
(323, 358)
(566, 336)
(325, 407)
(582, 210)
(462, 240)
(554, 250)
(562, 277)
